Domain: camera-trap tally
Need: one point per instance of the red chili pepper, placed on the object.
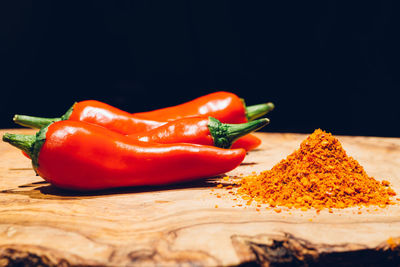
(202, 131)
(82, 156)
(225, 108)
(96, 112)
(25, 154)
(248, 142)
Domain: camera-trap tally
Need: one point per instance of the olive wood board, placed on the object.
(194, 223)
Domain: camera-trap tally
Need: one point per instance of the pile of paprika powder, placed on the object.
(317, 175)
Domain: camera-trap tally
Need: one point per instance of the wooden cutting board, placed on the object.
(195, 223)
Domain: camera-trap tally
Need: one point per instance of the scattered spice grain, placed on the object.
(317, 175)
(393, 242)
(277, 210)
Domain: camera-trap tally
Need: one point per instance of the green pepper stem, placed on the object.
(225, 134)
(33, 122)
(39, 122)
(24, 142)
(235, 131)
(257, 111)
(31, 144)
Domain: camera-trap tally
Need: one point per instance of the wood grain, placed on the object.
(180, 224)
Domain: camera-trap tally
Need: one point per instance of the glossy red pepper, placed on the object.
(25, 154)
(226, 107)
(248, 142)
(202, 131)
(82, 156)
(96, 112)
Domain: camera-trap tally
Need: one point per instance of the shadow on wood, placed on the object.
(47, 191)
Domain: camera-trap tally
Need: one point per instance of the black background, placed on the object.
(330, 65)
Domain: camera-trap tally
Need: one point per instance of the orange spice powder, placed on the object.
(318, 175)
